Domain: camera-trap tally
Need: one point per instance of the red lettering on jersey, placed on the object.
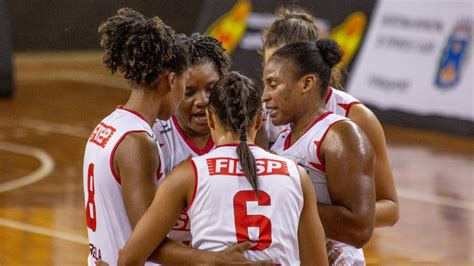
(101, 134)
(231, 166)
(183, 223)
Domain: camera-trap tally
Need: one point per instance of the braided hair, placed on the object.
(207, 49)
(140, 48)
(236, 101)
(295, 24)
(316, 58)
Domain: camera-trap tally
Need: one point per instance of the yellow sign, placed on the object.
(231, 26)
(349, 34)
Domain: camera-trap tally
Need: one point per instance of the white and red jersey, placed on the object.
(176, 148)
(306, 152)
(175, 145)
(337, 101)
(108, 227)
(225, 209)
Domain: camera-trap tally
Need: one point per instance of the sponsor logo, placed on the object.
(231, 166)
(101, 134)
(95, 252)
(454, 55)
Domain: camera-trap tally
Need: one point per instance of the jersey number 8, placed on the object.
(90, 207)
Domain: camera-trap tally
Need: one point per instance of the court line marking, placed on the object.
(45, 169)
(44, 231)
(435, 199)
(106, 80)
(45, 126)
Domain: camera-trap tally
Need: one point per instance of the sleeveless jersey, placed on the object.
(337, 101)
(306, 152)
(176, 148)
(108, 227)
(225, 209)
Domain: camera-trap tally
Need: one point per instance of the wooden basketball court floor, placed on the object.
(60, 98)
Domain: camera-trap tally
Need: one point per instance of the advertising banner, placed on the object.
(417, 58)
(238, 24)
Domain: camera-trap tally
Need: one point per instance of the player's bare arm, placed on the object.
(137, 175)
(310, 230)
(170, 199)
(350, 217)
(386, 208)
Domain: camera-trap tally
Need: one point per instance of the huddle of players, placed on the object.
(207, 139)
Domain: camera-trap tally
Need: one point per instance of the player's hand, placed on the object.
(101, 263)
(333, 253)
(234, 255)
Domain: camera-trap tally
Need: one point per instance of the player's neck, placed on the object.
(301, 125)
(227, 137)
(143, 104)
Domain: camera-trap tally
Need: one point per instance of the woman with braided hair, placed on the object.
(121, 158)
(238, 192)
(187, 134)
(333, 150)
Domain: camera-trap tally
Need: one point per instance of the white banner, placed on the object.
(417, 57)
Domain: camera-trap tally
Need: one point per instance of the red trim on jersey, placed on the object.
(347, 107)
(133, 112)
(318, 147)
(195, 186)
(328, 95)
(116, 177)
(287, 143)
(191, 145)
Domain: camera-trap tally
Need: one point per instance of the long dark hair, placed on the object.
(316, 58)
(295, 24)
(140, 48)
(236, 101)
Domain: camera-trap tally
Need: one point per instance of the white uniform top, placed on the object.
(225, 209)
(337, 101)
(176, 148)
(306, 152)
(108, 227)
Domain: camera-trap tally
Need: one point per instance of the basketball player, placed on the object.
(237, 192)
(121, 158)
(333, 150)
(294, 25)
(187, 134)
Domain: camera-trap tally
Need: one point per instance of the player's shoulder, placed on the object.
(163, 127)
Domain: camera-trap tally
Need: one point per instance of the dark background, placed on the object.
(52, 25)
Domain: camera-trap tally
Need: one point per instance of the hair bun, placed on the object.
(330, 51)
(294, 12)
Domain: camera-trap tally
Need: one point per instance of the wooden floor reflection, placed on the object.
(60, 98)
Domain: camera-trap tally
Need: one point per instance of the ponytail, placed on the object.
(236, 102)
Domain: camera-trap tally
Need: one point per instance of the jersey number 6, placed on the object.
(243, 220)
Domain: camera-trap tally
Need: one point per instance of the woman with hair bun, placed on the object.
(297, 25)
(238, 192)
(333, 150)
